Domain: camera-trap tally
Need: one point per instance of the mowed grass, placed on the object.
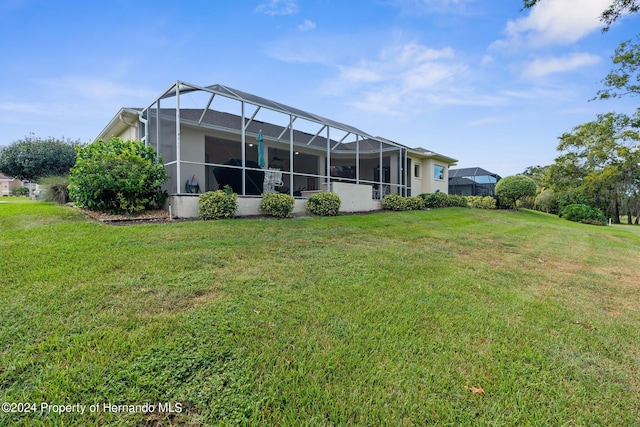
(379, 319)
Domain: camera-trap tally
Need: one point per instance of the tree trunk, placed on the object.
(616, 212)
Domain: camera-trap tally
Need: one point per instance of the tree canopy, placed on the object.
(625, 79)
(32, 158)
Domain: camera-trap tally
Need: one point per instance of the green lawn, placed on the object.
(380, 319)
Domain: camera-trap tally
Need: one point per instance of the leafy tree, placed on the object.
(601, 159)
(624, 80)
(616, 9)
(32, 158)
(538, 174)
(516, 187)
(118, 176)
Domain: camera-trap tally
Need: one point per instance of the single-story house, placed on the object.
(472, 182)
(7, 184)
(214, 136)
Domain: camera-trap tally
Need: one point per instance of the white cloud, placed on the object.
(555, 22)
(307, 25)
(546, 66)
(278, 7)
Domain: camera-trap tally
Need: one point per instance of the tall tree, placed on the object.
(32, 158)
(600, 157)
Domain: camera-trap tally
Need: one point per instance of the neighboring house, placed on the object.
(7, 184)
(208, 136)
(472, 182)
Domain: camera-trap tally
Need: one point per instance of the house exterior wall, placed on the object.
(426, 182)
(8, 185)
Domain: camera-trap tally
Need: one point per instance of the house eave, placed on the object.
(125, 118)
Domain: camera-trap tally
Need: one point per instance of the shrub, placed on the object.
(488, 202)
(474, 202)
(574, 196)
(56, 189)
(324, 204)
(479, 202)
(20, 191)
(584, 214)
(394, 202)
(455, 200)
(415, 203)
(277, 204)
(117, 176)
(547, 201)
(435, 200)
(218, 204)
(514, 188)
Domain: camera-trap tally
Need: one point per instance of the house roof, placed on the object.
(3, 177)
(476, 171)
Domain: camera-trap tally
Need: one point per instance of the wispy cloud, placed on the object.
(545, 66)
(278, 7)
(307, 25)
(554, 22)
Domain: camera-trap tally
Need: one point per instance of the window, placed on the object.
(416, 171)
(438, 172)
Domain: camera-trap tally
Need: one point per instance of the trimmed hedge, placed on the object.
(324, 204)
(277, 204)
(443, 200)
(394, 202)
(218, 204)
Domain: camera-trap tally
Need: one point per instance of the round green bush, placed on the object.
(584, 214)
(394, 202)
(324, 204)
(117, 176)
(217, 204)
(488, 202)
(415, 203)
(547, 201)
(516, 187)
(277, 204)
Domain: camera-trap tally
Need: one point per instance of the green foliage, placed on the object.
(217, 204)
(515, 187)
(625, 79)
(32, 158)
(547, 201)
(56, 189)
(584, 214)
(324, 204)
(435, 200)
(277, 204)
(20, 191)
(117, 176)
(415, 203)
(479, 202)
(443, 200)
(394, 202)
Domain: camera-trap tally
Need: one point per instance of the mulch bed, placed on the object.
(154, 216)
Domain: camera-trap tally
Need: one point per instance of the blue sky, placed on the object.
(478, 80)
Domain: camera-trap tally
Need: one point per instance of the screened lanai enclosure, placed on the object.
(472, 182)
(208, 138)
